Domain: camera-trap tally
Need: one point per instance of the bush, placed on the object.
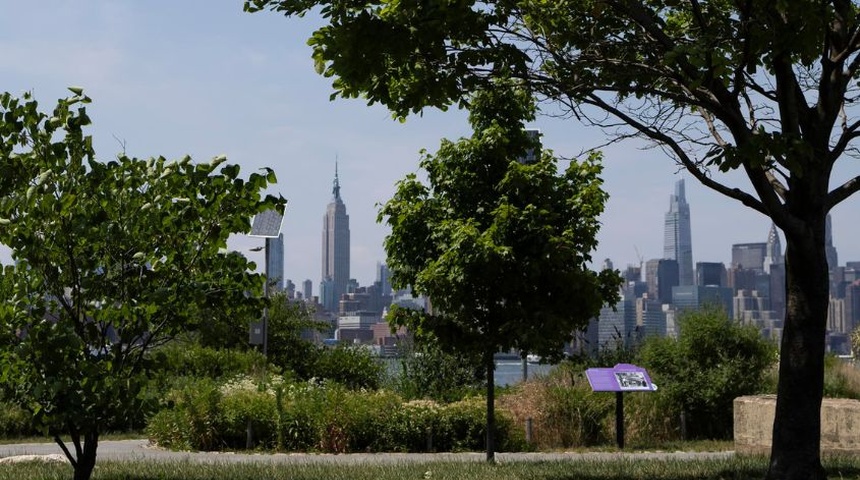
(700, 373)
(353, 367)
(428, 372)
(320, 416)
(189, 359)
(14, 421)
(190, 419)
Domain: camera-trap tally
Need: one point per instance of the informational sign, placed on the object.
(624, 377)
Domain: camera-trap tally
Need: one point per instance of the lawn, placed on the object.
(729, 469)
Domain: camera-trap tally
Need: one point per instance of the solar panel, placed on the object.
(267, 224)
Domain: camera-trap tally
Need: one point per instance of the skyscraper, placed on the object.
(750, 256)
(275, 268)
(677, 239)
(335, 249)
(773, 253)
(829, 249)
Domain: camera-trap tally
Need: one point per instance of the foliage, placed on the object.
(500, 246)
(185, 358)
(318, 416)
(112, 259)
(426, 371)
(763, 87)
(288, 322)
(712, 361)
(353, 366)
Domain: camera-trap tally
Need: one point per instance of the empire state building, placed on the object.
(335, 250)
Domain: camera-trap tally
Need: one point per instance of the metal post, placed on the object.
(266, 308)
(525, 368)
(619, 419)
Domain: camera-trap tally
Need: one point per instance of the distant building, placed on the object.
(711, 273)
(694, 297)
(383, 276)
(275, 267)
(660, 276)
(616, 327)
(677, 238)
(773, 251)
(335, 249)
(308, 289)
(749, 256)
(650, 317)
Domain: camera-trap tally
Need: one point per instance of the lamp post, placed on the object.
(266, 225)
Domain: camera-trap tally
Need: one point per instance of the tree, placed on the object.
(760, 86)
(500, 247)
(288, 322)
(112, 259)
(712, 361)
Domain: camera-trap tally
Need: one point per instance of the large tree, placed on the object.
(112, 259)
(765, 87)
(501, 247)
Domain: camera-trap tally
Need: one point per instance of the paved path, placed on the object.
(141, 450)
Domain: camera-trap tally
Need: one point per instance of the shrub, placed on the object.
(353, 367)
(15, 421)
(188, 359)
(190, 419)
(427, 372)
(700, 373)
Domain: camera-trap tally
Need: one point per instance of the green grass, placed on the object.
(739, 468)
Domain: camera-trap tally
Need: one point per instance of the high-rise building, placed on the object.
(335, 249)
(308, 289)
(383, 276)
(660, 276)
(749, 256)
(711, 273)
(677, 239)
(773, 251)
(275, 267)
(694, 297)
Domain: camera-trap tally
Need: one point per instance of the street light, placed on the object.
(266, 225)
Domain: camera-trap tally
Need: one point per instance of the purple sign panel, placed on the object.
(624, 377)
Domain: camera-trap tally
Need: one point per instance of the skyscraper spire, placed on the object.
(773, 251)
(335, 190)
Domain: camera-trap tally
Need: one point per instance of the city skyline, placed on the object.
(215, 80)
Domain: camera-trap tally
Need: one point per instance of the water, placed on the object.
(510, 372)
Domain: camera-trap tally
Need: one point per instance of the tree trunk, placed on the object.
(491, 410)
(795, 452)
(84, 459)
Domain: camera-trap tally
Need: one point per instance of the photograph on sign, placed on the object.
(632, 381)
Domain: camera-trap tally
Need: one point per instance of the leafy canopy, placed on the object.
(500, 247)
(112, 258)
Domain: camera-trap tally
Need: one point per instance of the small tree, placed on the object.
(112, 259)
(500, 247)
(712, 361)
(288, 322)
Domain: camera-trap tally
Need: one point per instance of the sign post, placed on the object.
(624, 377)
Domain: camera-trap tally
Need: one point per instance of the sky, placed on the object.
(203, 78)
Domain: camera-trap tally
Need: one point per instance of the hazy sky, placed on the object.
(200, 77)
